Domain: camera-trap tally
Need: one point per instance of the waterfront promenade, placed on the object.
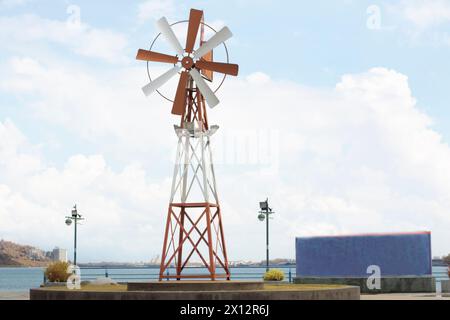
(393, 296)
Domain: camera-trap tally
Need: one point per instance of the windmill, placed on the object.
(194, 220)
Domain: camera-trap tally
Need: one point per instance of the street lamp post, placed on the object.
(264, 214)
(75, 217)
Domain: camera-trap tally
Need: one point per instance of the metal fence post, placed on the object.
(290, 276)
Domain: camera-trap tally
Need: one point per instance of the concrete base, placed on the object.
(406, 284)
(232, 291)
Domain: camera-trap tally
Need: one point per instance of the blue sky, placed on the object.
(344, 101)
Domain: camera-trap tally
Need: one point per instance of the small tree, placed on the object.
(57, 272)
(274, 275)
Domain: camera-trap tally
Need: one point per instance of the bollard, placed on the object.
(438, 289)
(290, 276)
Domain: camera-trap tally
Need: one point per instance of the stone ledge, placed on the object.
(405, 284)
(344, 293)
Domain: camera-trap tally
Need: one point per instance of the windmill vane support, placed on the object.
(194, 227)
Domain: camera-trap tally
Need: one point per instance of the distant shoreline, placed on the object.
(133, 266)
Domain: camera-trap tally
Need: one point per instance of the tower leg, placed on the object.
(224, 248)
(164, 251)
(180, 244)
(212, 263)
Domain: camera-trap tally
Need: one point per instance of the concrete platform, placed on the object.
(232, 291)
(405, 284)
(195, 286)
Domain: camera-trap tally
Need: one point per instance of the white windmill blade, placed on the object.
(165, 28)
(158, 82)
(206, 91)
(223, 35)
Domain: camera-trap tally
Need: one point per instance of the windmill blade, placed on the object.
(165, 28)
(209, 75)
(195, 18)
(223, 35)
(158, 82)
(147, 55)
(204, 88)
(180, 97)
(227, 68)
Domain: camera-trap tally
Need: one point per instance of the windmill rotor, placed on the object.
(189, 61)
(208, 57)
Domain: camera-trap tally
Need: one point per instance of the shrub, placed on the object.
(274, 275)
(57, 272)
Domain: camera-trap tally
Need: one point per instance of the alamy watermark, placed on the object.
(374, 280)
(374, 20)
(74, 280)
(74, 19)
(256, 149)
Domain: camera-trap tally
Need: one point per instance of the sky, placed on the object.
(339, 116)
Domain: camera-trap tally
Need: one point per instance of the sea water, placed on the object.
(22, 279)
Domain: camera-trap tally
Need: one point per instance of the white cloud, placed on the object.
(109, 106)
(27, 33)
(155, 9)
(14, 3)
(360, 158)
(427, 13)
(14, 162)
(422, 22)
(118, 206)
(357, 158)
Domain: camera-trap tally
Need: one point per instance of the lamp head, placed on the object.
(261, 217)
(74, 211)
(68, 221)
(264, 205)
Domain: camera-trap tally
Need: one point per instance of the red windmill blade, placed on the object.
(189, 61)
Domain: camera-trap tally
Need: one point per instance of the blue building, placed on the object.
(396, 254)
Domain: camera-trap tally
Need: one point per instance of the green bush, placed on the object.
(57, 272)
(274, 275)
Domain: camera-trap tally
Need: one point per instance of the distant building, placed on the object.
(438, 262)
(59, 254)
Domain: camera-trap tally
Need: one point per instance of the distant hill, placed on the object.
(12, 254)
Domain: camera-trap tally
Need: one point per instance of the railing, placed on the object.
(129, 274)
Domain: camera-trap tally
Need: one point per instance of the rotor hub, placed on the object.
(187, 63)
